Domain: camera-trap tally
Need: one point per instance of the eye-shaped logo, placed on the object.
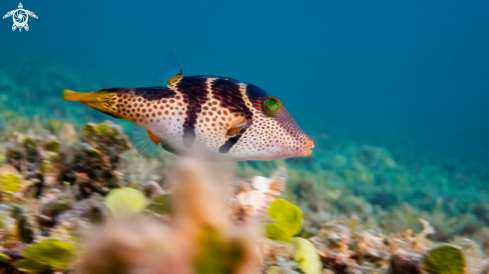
(20, 17)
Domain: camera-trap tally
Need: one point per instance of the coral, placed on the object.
(253, 199)
(99, 157)
(403, 263)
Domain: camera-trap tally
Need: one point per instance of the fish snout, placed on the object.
(305, 148)
(309, 145)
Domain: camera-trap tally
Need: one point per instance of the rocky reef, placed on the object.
(80, 199)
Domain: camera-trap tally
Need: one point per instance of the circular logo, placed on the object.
(20, 17)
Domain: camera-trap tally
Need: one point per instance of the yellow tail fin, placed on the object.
(95, 96)
(67, 94)
(101, 101)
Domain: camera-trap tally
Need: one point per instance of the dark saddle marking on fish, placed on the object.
(148, 93)
(194, 92)
(254, 92)
(155, 93)
(227, 92)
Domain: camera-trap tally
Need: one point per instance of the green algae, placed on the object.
(125, 199)
(31, 266)
(446, 259)
(5, 258)
(216, 254)
(161, 204)
(46, 254)
(24, 229)
(306, 256)
(276, 233)
(52, 146)
(288, 220)
(10, 182)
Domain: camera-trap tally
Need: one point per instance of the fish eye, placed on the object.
(272, 106)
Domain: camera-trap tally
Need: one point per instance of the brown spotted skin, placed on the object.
(194, 114)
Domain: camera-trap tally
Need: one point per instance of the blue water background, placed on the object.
(393, 73)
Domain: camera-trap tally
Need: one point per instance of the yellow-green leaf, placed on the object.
(446, 259)
(52, 146)
(10, 182)
(288, 219)
(31, 266)
(128, 199)
(216, 254)
(306, 256)
(5, 258)
(52, 252)
(161, 204)
(2, 222)
(274, 232)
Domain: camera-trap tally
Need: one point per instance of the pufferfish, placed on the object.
(220, 118)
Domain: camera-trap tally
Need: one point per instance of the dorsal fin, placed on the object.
(175, 78)
(170, 72)
(145, 141)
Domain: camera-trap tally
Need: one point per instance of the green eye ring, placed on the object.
(272, 106)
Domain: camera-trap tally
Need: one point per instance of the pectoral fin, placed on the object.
(237, 127)
(144, 140)
(153, 138)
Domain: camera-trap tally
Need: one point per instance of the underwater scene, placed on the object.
(236, 137)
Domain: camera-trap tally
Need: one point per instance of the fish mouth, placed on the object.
(309, 147)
